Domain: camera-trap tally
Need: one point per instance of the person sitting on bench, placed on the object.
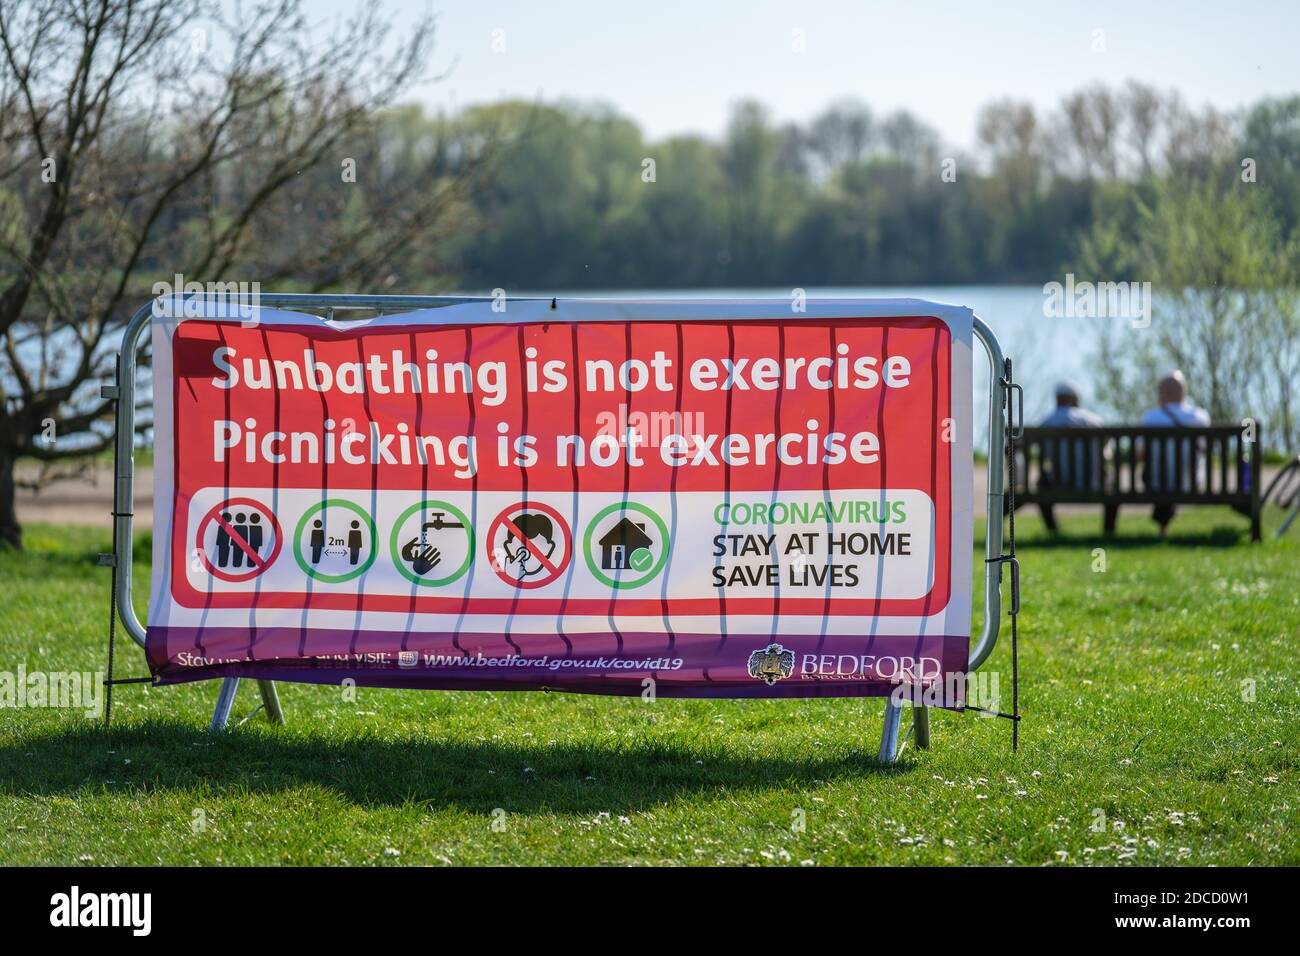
(1067, 470)
(1173, 411)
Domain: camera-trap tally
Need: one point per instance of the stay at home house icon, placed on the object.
(620, 541)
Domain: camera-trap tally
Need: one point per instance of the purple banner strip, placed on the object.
(687, 665)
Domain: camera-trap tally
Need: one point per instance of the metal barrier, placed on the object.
(124, 484)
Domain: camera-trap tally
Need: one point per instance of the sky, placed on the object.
(677, 66)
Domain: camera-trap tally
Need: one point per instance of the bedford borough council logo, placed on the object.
(771, 664)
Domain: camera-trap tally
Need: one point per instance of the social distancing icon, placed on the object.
(334, 541)
(529, 545)
(238, 539)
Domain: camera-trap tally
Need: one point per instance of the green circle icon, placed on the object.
(628, 555)
(395, 551)
(302, 526)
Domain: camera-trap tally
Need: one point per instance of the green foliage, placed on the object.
(1271, 138)
(570, 205)
(1225, 309)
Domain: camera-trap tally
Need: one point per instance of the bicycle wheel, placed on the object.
(1280, 504)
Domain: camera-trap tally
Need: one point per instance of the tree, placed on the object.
(1008, 129)
(679, 227)
(1225, 306)
(1090, 123)
(1271, 141)
(146, 138)
(753, 191)
(1142, 106)
(840, 135)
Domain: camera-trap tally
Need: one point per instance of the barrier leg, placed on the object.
(271, 701)
(889, 734)
(225, 704)
(921, 726)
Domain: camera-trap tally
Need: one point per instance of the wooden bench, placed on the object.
(1140, 465)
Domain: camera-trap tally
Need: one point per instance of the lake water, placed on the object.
(1043, 349)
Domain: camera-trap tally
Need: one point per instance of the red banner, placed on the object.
(712, 481)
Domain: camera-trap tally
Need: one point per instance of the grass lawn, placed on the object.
(1139, 745)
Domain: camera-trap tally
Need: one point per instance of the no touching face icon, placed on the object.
(530, 545)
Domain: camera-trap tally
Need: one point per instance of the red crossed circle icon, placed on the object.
(238, 542)
(506, 542)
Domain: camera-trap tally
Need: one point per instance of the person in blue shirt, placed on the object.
(1067, 464)
(1067, 412)
(1174, 411)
